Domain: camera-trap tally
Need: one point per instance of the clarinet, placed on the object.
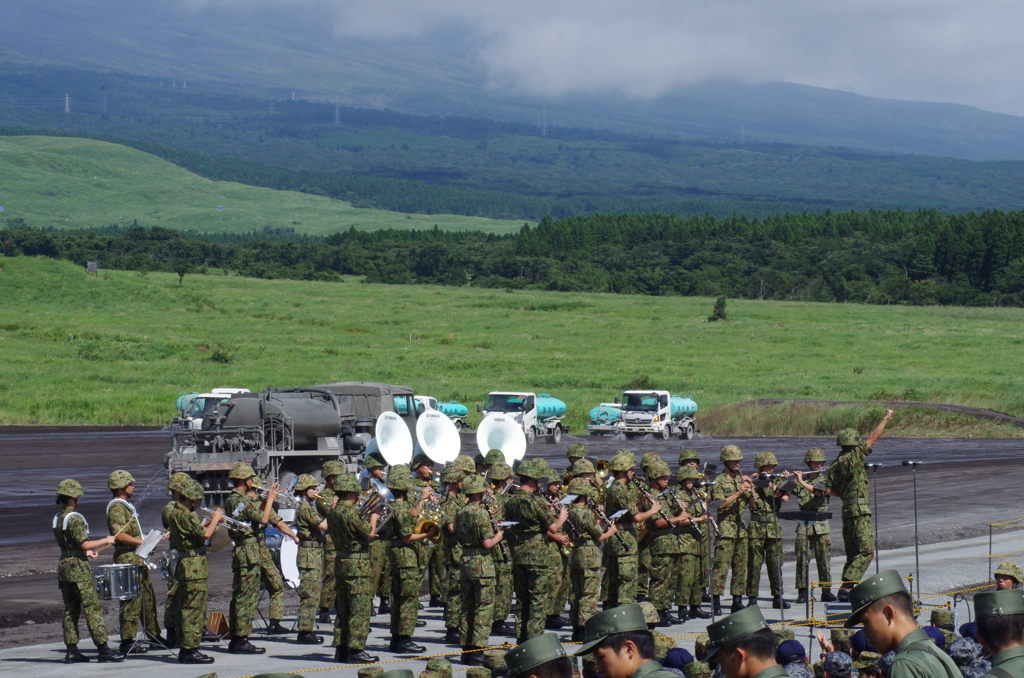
(707, 512)
(693, 523)
(603, 519)
(649, 497)
(494, 526)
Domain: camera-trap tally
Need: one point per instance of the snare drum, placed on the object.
(117, 582)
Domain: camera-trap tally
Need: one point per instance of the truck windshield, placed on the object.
(200, 407)
(497, 402)
(638, 402)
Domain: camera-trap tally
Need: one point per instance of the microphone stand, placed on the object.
(874, 478)
(917, 540)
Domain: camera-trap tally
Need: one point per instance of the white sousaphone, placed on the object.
(499, 432)
(393, 440)
(437, 437)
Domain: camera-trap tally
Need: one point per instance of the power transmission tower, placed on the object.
(337, 111)
(67, 104)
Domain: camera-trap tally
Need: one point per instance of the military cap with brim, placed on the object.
(733, 627)
(533, 653)
(616, 620)
(999, 603)
(397, 673)
(868, 591)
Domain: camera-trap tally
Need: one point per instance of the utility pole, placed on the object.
(67, 104)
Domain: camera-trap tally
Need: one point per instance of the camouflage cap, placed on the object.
(119, 479)
(374, 460)
(440, 665)
(696, 668)
(192, 490)
(369, 672)
(452, 474)
(174, 482)
(581, 486)
(659, 469)
(648, 459)
(474, 484)
(400, 478)
(700, 647)
(940, 617)
(478, 672)
(848, 437)
(838, 665)
(304, 482)
(616, 620)
(765, 459)
(885, 662)
(69, 488)
(733, 627)
(500, 471)
(730, 453)
(998, 603)
(241, 471)
(624, 460)
(662, 644)
(420, 460)
(332, 468)
(841, 639)
(532, 469)
(868, 591)
(494, 456)
(494, 660)
(688, 454)
(582, 466)
(798, 670)
(814, 454)
(687, 473)
(465, 463)
(347, 482)
(782, 635)
(1008, 568)
(576, 451)
(533, 653)
(427, 673)
(866, 660)
(650, 613)
(964, 650)
(397, 673)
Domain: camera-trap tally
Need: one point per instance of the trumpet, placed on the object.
(233, 523)
(602, 519)
(685, 509)
(283, 499)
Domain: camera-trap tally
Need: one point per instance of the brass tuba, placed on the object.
(430, 516)
(372, 499)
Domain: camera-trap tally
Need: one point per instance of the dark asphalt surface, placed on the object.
(962, 486)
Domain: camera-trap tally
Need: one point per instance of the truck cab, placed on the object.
(539, 415)
(195, 406)
(659, 413)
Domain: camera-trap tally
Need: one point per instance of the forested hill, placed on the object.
(880, 257)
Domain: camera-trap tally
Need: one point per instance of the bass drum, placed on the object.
(290, 562)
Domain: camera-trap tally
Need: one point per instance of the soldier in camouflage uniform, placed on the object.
(576, 452)
(621, 559)
(431, 559)
(171, 607)
(764, 534)
(692, 538)
(689, 458)
(310, 526)
(535, 557)
(814, 539)
(558, 600)
(453, 500)
(499, 475)
(251, 562)
(1008, 575)
(74, 577)
(123, 522)
(476, 535)
(188, 538)
(665, 545)
(943, 621)
(736, 492)
(643, 556)
(406, 574)
(848, 480)
(379, 547)
(585, 562)
(352, 535)
(330, 470)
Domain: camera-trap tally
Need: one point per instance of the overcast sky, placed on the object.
(927, 50)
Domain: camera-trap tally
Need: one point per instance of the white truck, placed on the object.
(538, 413)
(659, 413)
(194, 406)
(455, 411)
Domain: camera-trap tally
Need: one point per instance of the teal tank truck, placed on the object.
(605, 419)
(658, 413)
(457, 412)
(539, 414)
(286, 432)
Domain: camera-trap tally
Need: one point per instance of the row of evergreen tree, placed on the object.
(923, 257)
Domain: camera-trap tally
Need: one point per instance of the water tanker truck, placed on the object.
(538, 413)
(286, 432)
(457, 412)
(658, 413)
(192, 407)
(605, 419)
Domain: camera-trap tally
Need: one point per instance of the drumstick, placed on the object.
(115, 535)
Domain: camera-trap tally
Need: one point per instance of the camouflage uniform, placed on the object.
(692, 575)
(452, 551)
(120, 513)
(310, 561)
(77, 587)
(621, 564)
(666, 556)
(431, 558)
(472, 526)
(406, 575)
(584, 565)
(353, 572)
(814, 539)
(502, 570)
(535, 558)
(171, 606)
(192, 573)
(379, 557)
(558, 599)
(764, 536)
(251, 563)
(331, 469)
(644, 555)
(849, 479)
(731, 547)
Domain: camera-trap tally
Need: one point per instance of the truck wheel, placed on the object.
(458, 425)
(665, 433)
(556, 435)
(688, 432)
(531, 435)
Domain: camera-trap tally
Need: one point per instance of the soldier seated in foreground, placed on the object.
(539, 657)
(743, 646)
(624, 646)
(1000, 617)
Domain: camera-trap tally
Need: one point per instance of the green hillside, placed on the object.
(79, 183)
(117, 348)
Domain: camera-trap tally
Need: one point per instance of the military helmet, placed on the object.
(658, 469)
(69, 488)
(494, 456)
(576, 451)
(441, 666)
(192, 490)
(554, 477)
(848, 437)
(452, 474)
(332, 468)
(688, 455)
(465, 463)
(1008, 568)
(347, 482)
(479, 460)
(420, 460)
(400, 478)
(304, 482)
(582, 466)
(119, 479)
(474, 483)
(369, 672)
(241, 471)
(624, 460)
(765, 459)
(500, 471)
(731, 453)
(814, 454)
(374, 460)
(940, 617)
(581, 486)
(531, 469)
(687, 473)
(175, 481)
(648, 459)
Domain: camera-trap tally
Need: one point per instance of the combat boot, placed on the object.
(308, 638)
(752, 601)
(666, 619)
(384, 607)
(193, 657)
(697, 613)
(73, 656)
(341, 654)
(500, 628)
(472, 655)
(435, 601)
(579, 634)
(827, 596)
(172, 638)
(554, 622)
(716, 604)
(275, 628)
(737, 604)
(108, 655)
(704, 597)
(682, 616)
(451, 637)
(361, 657)
(404, 645)
(324, 617)
(241, 645)
(801, 596)
(779, 603)
(128, 647)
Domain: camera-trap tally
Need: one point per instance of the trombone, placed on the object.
(283, 499)
(233, 523)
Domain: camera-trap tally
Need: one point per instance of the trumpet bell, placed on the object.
(602, 468)
(437, 437)
(393, 439)
(498, 432)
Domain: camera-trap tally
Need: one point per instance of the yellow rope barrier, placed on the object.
(1012, 522)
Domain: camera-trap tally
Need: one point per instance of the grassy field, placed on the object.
(117, 348)
(79, 183)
